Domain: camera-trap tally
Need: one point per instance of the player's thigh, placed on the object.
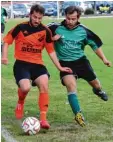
(42, 83)
(37, 72)
(86, 71)
(70, 82)
(25, 85)
(21, 74)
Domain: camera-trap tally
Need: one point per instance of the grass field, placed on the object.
(98, 114)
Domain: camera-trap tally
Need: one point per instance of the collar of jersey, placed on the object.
(29, 22)
(65, 25)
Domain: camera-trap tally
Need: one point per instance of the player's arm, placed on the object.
(53, 26)
(5, 12)
(53, 56)
(101, 55)
(6, 15)
(8, 39)
(57, 64)
(4, 59)
(50, 49)
(56, 37)
(95, 43)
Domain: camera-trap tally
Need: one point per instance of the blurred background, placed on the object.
(56, 8)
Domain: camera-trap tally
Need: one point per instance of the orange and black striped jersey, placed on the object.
(30, 41)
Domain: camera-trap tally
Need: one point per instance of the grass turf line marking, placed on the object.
(7, 136)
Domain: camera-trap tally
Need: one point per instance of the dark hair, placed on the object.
(37, 8)
(72, 9)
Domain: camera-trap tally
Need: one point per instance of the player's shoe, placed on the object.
(80, 119)
(44, 124)
(101, 94)
(19, 111)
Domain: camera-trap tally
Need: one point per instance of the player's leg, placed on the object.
(22, 77)
(70, 82)
(24, 88)
(39, 76)
(43, 102)
(89, 75)
(97, 89)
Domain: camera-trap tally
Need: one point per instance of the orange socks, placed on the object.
(43, 102)
(21, 96)
(43, 105)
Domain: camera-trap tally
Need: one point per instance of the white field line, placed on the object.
(84, 17)
(7, 136)
(98, 16)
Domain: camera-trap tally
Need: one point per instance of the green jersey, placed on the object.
(3, 14)
(71, 45)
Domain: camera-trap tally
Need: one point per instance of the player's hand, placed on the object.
(6, 20)
(106, 62)
(4, 61)
(56, 37)
(66, 69)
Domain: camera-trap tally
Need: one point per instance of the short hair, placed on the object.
(72, 9)
(37, 8)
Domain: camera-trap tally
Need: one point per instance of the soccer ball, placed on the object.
(31, 126)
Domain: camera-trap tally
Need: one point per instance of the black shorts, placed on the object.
(2, 28)
(81, 69)
(25, 70)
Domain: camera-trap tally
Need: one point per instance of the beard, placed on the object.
(34, 24)
(71, 26)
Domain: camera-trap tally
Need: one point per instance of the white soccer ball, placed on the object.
(31, 126)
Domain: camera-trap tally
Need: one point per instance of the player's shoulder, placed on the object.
(87, 30)
(23, 23)
(45, 27)
(83, 26)
(92, 35)
(53, 24)
(19, 26)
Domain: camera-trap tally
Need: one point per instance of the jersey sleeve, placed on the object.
(5, 12)
(49, 43)
(92, 39)
(53, 26)
(11, 35)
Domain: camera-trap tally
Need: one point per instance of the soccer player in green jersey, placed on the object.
(70, 38)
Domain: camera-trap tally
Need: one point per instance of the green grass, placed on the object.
(98, 114)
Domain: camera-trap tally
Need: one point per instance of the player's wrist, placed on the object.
(60, 68)
(4, 59)
(104, 59)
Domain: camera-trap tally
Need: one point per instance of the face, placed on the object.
(36, 18)
(71, 20)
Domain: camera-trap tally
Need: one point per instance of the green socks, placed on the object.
(73, 101)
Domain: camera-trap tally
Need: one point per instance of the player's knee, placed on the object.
(25, 89)
(43, 88)
(71, 87)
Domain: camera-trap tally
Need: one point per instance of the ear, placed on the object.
(78, 16)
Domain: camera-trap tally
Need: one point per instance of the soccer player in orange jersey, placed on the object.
(30, 39)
